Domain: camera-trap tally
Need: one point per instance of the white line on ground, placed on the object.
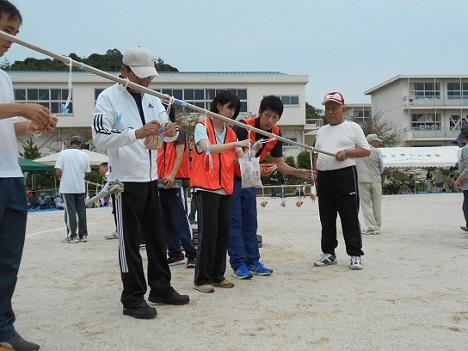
(52, 230)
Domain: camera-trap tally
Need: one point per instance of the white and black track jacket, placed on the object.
(116, 117)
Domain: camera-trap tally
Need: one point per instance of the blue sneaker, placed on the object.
(242, 272)
(258, 268)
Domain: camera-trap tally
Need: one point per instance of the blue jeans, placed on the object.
(178, 229)
(13, 213)
(243, 245)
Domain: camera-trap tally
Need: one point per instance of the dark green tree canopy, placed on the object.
(109, 62)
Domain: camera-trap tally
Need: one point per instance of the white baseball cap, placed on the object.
(334, 96)
(373, 137)
(141, 61)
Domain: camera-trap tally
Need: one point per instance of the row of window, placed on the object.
(53, 99)
(431, 90)
(432, 121)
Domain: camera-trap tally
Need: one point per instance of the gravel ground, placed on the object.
(411, 294)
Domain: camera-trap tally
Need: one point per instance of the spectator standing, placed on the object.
(71, 167)
(370, 187)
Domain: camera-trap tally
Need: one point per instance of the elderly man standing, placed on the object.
(337, 182)
(71, 167)
(370, 187)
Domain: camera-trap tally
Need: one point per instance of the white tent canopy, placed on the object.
(413, 157)
(95, 159)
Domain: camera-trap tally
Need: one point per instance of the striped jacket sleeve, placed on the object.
(105, 135)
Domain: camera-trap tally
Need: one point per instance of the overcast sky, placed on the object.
(344, 45)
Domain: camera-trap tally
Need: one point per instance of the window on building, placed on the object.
(53, 98)
(426, 90)
(361, 116)
(97, 92)
(457, 90)
(203, 97)
(425, 121)
(289, 100)
(456, 122)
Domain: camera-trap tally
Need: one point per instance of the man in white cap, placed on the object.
(370, 187)
(124, 119)
(337, 183)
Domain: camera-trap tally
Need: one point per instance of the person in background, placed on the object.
(369, 171)
(173, 164)
(71, 167)
(462, 180)
(105, 173)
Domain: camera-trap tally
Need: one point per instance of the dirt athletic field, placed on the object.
(411, 294)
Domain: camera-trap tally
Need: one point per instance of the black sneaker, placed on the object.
(176, 259)
(141, 311)
(172, 298)
(191, 263)
(17, 343)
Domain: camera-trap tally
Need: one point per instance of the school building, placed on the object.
(51, 90)
(429, 109)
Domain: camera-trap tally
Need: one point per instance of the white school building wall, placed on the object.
(50, 89)
(429, 109)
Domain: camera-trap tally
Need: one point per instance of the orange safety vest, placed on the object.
(221, 177)
(166, 159)
(267, 147)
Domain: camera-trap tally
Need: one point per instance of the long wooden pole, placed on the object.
(70, 62)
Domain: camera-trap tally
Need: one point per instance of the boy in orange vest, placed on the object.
(243, 246)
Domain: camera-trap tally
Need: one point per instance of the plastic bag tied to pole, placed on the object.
(250, 169)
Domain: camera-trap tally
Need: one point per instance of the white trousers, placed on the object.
(370, 195)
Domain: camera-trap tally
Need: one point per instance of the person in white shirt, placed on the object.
(71, 167)
(125, 120)
(370, 187)
(13, 206)
(337, 181)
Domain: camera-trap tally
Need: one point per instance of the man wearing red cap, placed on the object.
(337, 183)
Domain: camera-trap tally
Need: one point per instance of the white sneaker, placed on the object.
(111, 236)
(356, 263)
(325, 260)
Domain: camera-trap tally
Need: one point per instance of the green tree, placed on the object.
(290, 161)
(110, 62)
(303, 159)
(30, 150)
(386, 130)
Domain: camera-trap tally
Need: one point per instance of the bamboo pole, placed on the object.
(70, 62)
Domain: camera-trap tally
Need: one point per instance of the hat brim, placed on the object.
(144, 72)
(333, 100)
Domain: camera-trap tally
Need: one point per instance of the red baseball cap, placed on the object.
(334, 96)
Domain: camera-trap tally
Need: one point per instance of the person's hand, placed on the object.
(341, 155)
(48, 128)
(315, 173)
(37, 114)
(302, 173)
(169, 179)
(151, 128)
(243, 143)
(169, 129)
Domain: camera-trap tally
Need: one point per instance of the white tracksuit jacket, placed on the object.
(116, 117)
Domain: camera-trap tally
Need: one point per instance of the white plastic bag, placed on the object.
(250, 172)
